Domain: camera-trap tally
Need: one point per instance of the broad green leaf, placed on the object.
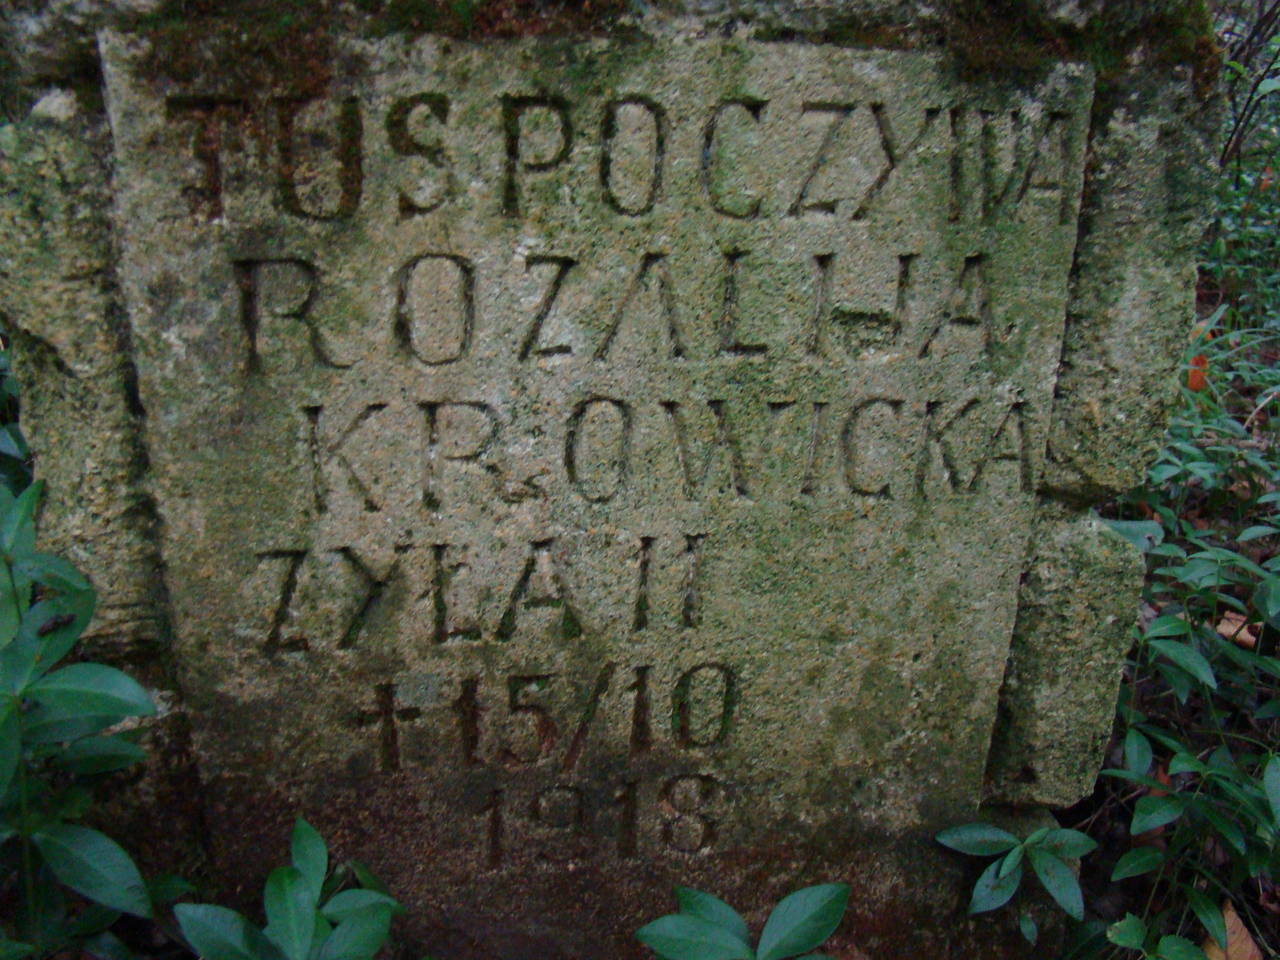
(1143, 534)
(102, 755)
(322, 931)
(43, 725)
(310, 856)
(1225, 826)
(10, 615)
(978, 839)
(216, 933)
(1137, 752)
(107, 946)
(1027, 924)
(290, 912)
(92, 920)
(803, 920)
(343, 904)
(1269, 710)
(10, 742)
(1168, 626)
(18, 527)
(1151, 812)
(92, 688)
(358, 937)
(695, 903)
(1177, 948)
(1209, 914)
(94, 866)
(70, 614)
(168, 887)
(993, 891)
(1187, 658)
(366, 878)
(1130, 932)
(1068, 843)
(1012, 860)
(13, 949)
(1058, 879)
(1253, 533)
(1268, 86)
(1186, 763)
(1271, 784)
(1138, 861)
(53, 572)
(679, 936)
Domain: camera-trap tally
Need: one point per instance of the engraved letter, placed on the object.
(871, 455)
(212, 116)
(654, 264)
(596, 447)
(539, 137)
(453, 433)
(273, 290)
(695, 468)
(433, 180)
(729, 342)
(333, 193)
(631, 155)
(729, 158)
(435, 309)
(541, 586)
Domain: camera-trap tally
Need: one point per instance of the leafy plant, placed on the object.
(312, 913)
(56, 741)
(1046, 850)
(707, 928)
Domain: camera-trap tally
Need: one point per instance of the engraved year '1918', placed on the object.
(687, 804)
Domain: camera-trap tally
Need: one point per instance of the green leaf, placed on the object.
(1058, 879)
(366, 878)
(1069, 843)
(1186, 763)
(18, 528)
(343, 904)
(93, 866)
(45, 725)
(1027, 924)
(91, 688)
(1138, 861)
(1271, 785)
(323, 929)
(107, 946)
(10, 615)
(216, 933)
(53, 572)
(978, 839)
(1168, 626)
(168, 887)
(1012, 860)
(290, 912)
(13, 949)
(102, 755)
(993, 891)
(1269, 710)
(695, 903)
(803, 920)
(1268, 86)
(310, 856)
(1177, 948)
(1130, 932)
(1187, 658)
(358, 937)
(1143, 534)
(92, 920)
(1137, 752)
(679, 936)
(1151, 812)
(1209, 914)
(10, 742)
(1253, 533)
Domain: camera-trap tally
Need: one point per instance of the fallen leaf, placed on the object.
(1196, 378)
(1234, 627)
(1240, 945)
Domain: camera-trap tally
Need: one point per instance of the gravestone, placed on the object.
(586, 465)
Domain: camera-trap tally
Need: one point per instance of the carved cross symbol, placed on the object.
(386, 715)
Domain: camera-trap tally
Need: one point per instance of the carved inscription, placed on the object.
(609, 424)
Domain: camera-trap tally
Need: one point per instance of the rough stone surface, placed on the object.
(1075, 609)
(535, 523)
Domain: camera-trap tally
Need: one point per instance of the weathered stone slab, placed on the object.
(635, 447)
